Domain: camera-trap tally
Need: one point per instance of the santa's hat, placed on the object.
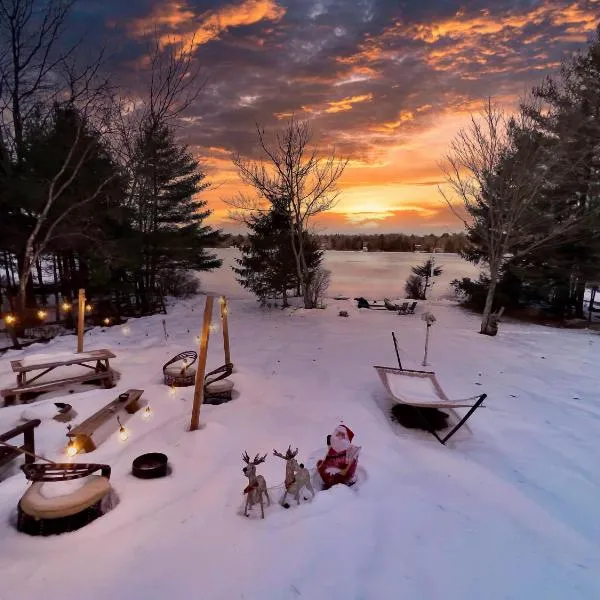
(347, 431)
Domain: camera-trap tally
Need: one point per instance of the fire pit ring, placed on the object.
(182, 374)
(150, 465)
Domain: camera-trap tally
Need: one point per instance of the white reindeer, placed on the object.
(256, 484)
(296, 476)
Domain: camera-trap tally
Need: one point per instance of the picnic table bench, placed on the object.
(100, 371)
(82, 433)
(27, 429)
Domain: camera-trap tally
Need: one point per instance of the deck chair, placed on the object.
(402, 309)
(411, 309)
(421, 389)
(391, 306)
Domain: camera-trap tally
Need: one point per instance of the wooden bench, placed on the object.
(27, 430)
(82, 433)
(100, 371)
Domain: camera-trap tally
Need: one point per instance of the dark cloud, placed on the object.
(370, 74)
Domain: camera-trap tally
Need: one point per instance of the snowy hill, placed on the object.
(507, 510)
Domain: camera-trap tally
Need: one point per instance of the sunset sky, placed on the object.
(386, 82)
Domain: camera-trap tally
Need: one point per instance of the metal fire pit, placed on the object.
(150, 466)
(179, 371)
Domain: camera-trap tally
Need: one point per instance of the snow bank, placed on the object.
(509, 510)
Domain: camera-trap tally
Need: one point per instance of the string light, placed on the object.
(107, 321)
(123, 431)
(185, 366)
(213, 327)
(66, 306)
(10, 319)
(88, 308)
(147, 414)
(42, 314)
(71, 448)
(172, 390)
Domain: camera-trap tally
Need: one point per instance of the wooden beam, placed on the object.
(202, 354)
(224, 312)
(80, 320)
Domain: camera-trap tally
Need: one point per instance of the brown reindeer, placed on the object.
(296, 476)
(256, 484)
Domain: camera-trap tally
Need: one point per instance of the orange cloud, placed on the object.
(476, 44)
(347, 103)
(404, 117)
(178, 24)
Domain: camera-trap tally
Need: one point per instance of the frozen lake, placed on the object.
(374, 275)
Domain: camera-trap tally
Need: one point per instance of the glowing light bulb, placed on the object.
(123, 431)
(88, 308)
(107, 321)
(147, 414)
(42, 314)
(66, 306)
(172, 390)
(213, 327)
(10, 319)
(72, 448)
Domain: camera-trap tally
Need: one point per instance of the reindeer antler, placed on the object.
(288, 453)
(246, 458)
(258, 460)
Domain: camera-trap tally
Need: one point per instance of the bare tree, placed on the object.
(499, 168)
(30, 44)
(37, 73)
(296, 177)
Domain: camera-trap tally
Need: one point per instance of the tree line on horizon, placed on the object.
(451, 243)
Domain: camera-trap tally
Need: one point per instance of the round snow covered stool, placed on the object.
(218, 392)
(41, 512)
(179, 371)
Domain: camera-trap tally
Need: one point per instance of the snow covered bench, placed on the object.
(101, 371)
(27, 429)
(82, 433)
(62, 497)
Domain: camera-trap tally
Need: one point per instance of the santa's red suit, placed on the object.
(337, 467)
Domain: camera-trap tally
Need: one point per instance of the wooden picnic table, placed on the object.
(97, 361)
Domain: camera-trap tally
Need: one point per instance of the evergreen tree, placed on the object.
(170, 218)
(267, 266)
(425, 271)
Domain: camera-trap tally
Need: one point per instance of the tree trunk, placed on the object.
(299, 272)
(489, 301)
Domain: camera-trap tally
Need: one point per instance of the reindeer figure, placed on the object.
(296, 476)
(256, 484)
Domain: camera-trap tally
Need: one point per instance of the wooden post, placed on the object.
(424, 363)
(80, 320)
(224, 312)
(203, 351)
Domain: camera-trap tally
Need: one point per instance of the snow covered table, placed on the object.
(100, 371)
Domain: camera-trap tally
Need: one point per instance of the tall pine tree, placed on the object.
(170, 220)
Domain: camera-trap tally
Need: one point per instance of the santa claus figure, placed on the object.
(339, 465)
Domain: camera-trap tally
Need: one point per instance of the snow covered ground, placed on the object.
(507, 510)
